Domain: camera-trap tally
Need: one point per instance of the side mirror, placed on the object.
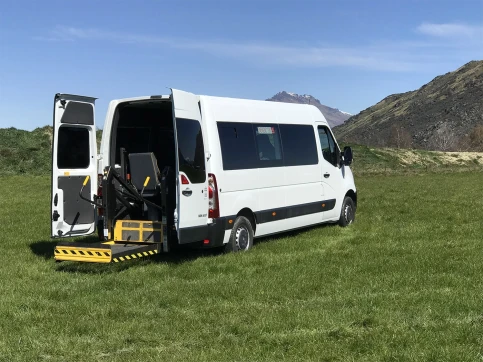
(347, 155)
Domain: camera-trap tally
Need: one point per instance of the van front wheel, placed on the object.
(241, 237)
(348, 212)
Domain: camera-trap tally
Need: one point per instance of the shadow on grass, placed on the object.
(175, 257)
(45, 248)
(292, 234)
(179, 255)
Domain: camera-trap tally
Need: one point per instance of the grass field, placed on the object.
(404, 283)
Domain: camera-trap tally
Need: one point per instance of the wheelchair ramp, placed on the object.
(103, 252)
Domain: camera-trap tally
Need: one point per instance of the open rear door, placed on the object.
(74, 157)
(192, 180)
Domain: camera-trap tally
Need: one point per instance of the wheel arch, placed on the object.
(250, 215)
(353, 195)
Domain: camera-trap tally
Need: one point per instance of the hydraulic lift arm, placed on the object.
(131, 200)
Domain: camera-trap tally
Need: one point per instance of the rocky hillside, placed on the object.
(446, 114)
(334, 116)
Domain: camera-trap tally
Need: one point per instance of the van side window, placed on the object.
(268, 145)
(298, 143)
(238, 149)
(327, 143)
(191, 152)
(73, 148)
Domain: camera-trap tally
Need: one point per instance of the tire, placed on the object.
(348, 212)
(241, 237)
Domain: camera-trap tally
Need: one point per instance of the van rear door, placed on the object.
(192, 180)
(74, 158)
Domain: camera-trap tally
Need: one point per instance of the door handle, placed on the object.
(187, 192)
(326, 175)
(55, 216)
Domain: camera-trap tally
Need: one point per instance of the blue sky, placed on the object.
(348, 53)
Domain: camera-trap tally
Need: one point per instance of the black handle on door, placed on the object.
(187, 192)
(326, 175)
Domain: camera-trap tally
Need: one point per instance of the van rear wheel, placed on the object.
(241, 237)
(348, 212)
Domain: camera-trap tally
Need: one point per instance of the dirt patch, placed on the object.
(457, 157)
(410, 158)
(416, 157)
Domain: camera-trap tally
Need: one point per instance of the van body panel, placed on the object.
(277, 188)
(74, 166)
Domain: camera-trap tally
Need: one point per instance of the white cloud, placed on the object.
(395, 57)
(451, 30)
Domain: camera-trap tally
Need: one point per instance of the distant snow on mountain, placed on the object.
(349, 114)
(334, 116)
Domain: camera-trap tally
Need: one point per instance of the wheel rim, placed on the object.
(348, 214)
(242, 238)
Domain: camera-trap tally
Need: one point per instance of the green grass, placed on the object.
(24, 152)
(27, 153)
(404, 283)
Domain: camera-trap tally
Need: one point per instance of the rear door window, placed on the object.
(73, 148)
(191, 151)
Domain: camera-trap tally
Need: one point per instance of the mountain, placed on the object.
(333, 115)
(446, 115)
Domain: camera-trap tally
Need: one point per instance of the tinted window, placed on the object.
(327, 143)
(78, 113)
(191, 152)
(73, 147)
(268, 145)
(299, 146)
(238, 149)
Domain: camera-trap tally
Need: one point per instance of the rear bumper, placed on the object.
(214, 233)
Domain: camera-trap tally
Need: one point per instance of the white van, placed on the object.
(183, 168)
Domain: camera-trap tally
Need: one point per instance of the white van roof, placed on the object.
(237, 110)
(224, 109)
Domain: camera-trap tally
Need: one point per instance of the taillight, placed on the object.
(184, 180)
(213, 203)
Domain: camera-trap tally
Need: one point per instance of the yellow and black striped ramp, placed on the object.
(103, 252)
(130, 251)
